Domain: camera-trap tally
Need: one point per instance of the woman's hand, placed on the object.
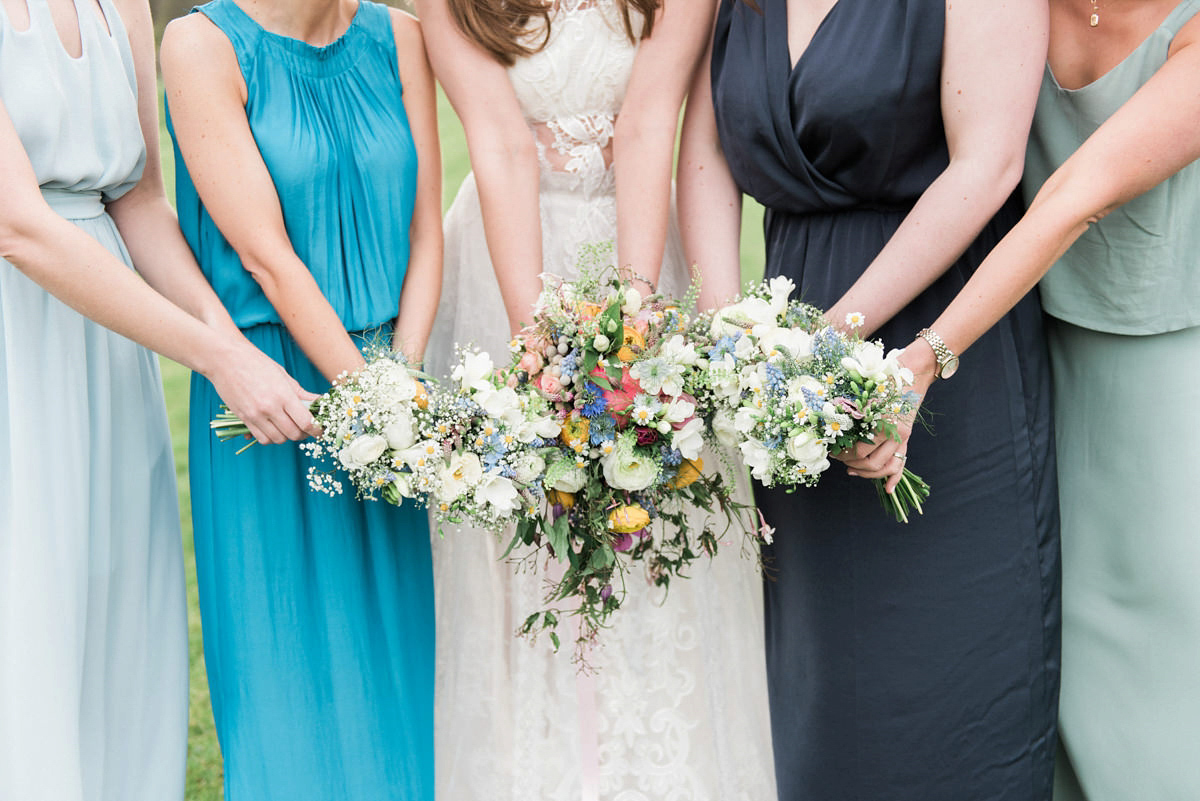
(269, 401)
(885, 458)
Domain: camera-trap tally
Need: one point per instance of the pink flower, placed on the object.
(531, 362)
(849, 407)
(549, 384)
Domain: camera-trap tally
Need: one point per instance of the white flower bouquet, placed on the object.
(788, 389)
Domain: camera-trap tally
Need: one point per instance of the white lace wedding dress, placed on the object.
(676, 710)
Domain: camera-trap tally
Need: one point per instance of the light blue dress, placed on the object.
(317, 611)
(1123, 307)
(93, 629)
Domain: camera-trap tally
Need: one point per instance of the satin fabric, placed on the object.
(913, 661)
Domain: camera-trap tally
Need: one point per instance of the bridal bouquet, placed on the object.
(788, 389)
(626, 468)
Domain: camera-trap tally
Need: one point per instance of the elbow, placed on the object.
(24, 226)
(507, 146)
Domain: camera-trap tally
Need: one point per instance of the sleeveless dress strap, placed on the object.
(241, 29)
(119, 34)
(376, 19)
(1181, 15)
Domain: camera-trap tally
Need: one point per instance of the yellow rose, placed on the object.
(689, 471)
(628, 519)
(634, 343)
(564, 499)
(574, 431)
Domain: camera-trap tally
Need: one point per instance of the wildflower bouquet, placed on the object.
(373, 423)
(788, 389)
(626, 468)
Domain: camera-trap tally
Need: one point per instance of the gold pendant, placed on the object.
(1095, 20)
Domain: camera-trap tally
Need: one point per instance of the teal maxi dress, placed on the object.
(1123, 325)
(317, 611)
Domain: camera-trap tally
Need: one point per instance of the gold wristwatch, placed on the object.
(947, 362)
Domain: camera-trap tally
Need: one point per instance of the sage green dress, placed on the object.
(1124, 332)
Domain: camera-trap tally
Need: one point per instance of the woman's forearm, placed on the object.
(939, 228)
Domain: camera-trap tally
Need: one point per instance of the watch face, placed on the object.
(949, 367)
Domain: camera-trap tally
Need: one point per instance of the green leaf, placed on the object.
(557, 533)
(601, 558)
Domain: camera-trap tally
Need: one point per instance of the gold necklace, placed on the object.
(1094, 20)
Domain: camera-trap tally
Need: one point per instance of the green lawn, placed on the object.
(204, 757)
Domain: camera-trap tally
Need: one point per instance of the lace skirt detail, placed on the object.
(679, 693)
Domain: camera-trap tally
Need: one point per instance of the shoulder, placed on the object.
(196, 51)
(194, 39)
(410, 44)
(1189, 33)
(135, 16)
(406, 30)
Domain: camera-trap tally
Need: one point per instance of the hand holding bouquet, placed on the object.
(788, 389)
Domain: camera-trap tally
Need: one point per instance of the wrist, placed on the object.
(920, 358)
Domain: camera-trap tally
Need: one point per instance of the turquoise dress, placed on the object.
(1124, 334)
(317, 611)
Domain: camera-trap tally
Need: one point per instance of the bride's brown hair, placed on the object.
(501, 27)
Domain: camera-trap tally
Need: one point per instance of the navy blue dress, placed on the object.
(913, 661)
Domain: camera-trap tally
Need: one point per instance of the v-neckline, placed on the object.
(793, 67)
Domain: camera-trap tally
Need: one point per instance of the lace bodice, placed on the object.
(571, 91)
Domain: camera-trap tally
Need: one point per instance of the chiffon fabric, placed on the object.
(676, 707)
(1125, 303)
(910, 662)
(317, 611)
(93, 630)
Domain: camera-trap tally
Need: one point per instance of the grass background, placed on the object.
(204, 774)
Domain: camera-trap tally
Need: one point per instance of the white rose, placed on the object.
(400, 432)
(807, 450)
(529, 467)
(633, 302)
(628, 471)
(571, 481)
(757, 458)
(689, 440)
(497, 491)
(601, 343)
(726, 431)
(362, 451)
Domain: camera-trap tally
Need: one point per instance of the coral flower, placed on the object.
(621, 398)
